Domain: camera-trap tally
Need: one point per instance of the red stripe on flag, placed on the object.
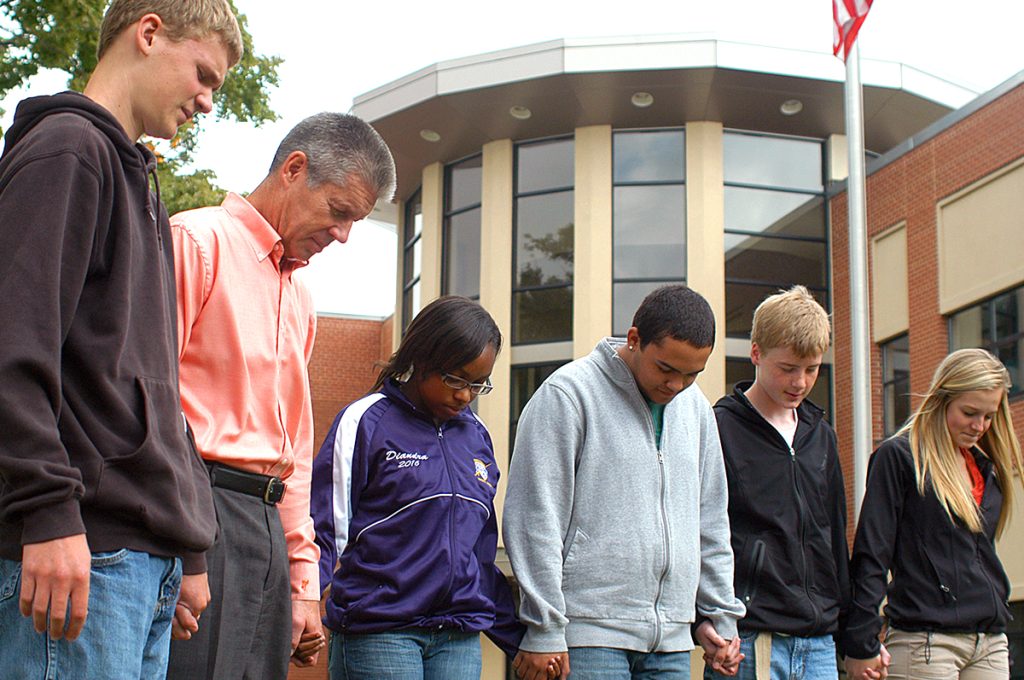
(847, 17)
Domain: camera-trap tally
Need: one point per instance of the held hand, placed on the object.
(54, 578)
(732, 657)
(554, 668)
(192, 602)
(539, 665)
(307, 633)
(865, 669)
(886, 659)
(721, 655)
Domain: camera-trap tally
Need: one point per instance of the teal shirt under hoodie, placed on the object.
(614, 542)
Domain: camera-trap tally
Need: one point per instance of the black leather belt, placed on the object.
(269, 489)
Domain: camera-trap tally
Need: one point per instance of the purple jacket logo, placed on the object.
(480, 471)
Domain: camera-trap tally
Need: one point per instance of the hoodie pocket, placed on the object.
(576, 547)
(753, 564)
(153, 482)
(944, 585)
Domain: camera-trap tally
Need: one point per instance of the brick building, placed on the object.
(946, 269)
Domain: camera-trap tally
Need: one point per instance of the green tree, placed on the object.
(62, 35)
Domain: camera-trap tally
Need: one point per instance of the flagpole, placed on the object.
(859, 324)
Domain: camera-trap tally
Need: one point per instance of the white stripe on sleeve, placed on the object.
(341, 470)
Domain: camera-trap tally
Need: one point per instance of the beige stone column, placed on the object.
(592, 247)
(705, 237)
(838, 158)
(432, 195)
(496, 291)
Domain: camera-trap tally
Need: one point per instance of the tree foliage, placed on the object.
(63, 34)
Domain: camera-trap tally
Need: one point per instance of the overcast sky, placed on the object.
(336, 51)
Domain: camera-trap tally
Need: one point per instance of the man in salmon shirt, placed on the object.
(245, 334)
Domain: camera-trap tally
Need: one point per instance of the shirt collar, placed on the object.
(262, 237)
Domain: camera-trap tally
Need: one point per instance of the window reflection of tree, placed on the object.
(544, 300)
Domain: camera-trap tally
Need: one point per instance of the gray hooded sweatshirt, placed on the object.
(614, 542)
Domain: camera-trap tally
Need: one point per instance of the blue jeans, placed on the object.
(127, 632)
(408, 654)
(606, 663)
(793, 658)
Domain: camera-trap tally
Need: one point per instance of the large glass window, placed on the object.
(895, 383)
(412, 258)
(648, 217)
(461, 240)
(775, 222)
(543, 264)
(997, 324)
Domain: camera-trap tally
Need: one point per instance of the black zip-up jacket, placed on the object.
(945, 578)
(787, 513)
(92, 438)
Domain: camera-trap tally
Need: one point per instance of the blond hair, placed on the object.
(936, 455)
(793, 319)
(182, 19)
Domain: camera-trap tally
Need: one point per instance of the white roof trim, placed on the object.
(637, 53)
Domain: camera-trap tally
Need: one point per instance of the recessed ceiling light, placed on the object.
(430, 135)
(520, 112)
(642, 100)
(791, 107)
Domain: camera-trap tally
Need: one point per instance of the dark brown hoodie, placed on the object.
(92, 437)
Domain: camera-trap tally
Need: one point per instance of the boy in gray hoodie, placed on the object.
(616, 514)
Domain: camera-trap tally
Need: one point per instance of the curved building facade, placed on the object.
(559, 183)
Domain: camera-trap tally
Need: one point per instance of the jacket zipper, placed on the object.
(803, 539)
(668, 553)
(988, 578)
(451, 512)
(666, 565)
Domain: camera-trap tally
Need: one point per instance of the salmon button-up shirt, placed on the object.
(245, 333)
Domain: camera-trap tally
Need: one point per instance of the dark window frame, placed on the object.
(990, 319)
(826, 240)
(408, 244)
(885, 349)
(656, 280)
(516, 195)
(448, 214)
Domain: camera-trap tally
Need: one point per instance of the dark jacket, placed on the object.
(92, 438)
(945, 578)
(787, 513)
(405, 508)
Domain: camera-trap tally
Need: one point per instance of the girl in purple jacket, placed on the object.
(403, 503)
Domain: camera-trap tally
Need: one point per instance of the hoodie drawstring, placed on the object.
(149, 204)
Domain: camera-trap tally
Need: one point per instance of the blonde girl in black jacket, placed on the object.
(938, 494)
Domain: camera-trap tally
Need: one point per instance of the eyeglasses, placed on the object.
(457, 383)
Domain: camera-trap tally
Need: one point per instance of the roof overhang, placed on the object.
(573, 83)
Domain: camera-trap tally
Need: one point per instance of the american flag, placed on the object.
(847, 16)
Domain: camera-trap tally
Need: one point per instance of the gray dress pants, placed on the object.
(245, 632)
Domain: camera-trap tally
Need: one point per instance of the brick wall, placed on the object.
(344, 365)
(341, 370)
(909, 188)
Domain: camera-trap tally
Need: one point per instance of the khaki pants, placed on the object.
(947, 656)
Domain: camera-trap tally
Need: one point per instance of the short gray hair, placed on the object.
(338, 146)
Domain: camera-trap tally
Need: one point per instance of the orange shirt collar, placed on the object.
(260, 234)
